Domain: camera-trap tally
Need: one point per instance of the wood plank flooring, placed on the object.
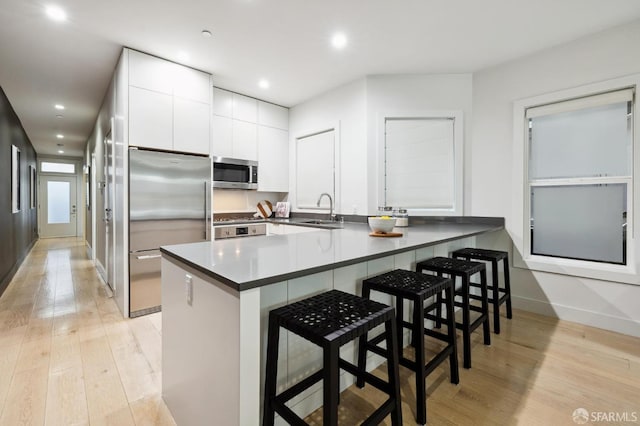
(67, 357)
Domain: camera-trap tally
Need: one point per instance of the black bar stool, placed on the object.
(416, 288)
(463, 269)
(493, 256)
(330, 320)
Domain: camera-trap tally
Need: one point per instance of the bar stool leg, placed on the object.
(362, 346)
(268, 416)
(438, 322)
(496, 297)
(421, 394)
(466, 322)
(485, 307)
(393, 370)
(507, 285)
(451, 332)
(331, 385)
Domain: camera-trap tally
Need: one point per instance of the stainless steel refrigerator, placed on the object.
(169, 203)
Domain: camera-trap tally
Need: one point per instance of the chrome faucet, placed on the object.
(331, 215)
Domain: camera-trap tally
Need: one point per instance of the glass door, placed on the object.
(58, 207)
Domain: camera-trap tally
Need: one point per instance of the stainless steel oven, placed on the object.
(245, 230)
(233, 173)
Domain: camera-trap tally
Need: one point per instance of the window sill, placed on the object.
(578, 268)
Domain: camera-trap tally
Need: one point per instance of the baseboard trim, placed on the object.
(4, 283)
(581, 316)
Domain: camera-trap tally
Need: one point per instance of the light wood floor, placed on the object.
(67, 357)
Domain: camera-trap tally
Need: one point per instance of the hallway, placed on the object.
(68, 357)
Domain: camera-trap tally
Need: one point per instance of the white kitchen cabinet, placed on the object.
(222, 102)
(150, 119)
(150, 72)
(273, 159)
(245, 108)
(273, 115)
(192, 84)
(245, 140)
(190, 126)
(221, 137)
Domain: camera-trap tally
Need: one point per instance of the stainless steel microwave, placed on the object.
(233, 173)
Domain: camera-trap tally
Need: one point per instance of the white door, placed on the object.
(58, 206)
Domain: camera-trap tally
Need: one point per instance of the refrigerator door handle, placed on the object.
(148, 256)
(207, 228)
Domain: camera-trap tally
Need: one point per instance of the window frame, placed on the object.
(16, 179)
(458, 157)
(519, 225)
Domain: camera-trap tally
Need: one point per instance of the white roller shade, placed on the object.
(314, 169)
(624, 95)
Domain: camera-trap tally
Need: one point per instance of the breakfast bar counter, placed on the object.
(216, 296)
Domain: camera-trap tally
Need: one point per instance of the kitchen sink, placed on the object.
(321, 223)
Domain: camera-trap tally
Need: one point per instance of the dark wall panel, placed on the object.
(18, 231)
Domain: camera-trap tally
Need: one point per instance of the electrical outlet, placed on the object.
(188, 288)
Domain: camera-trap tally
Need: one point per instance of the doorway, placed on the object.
(58, 207)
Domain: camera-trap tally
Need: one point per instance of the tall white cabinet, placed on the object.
(251, 129)
(169, 105)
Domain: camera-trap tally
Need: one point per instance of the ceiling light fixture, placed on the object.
(59, 116)
(56, 13)
(339, 40)
(59, 106)
(264, 84)
(60, 136)
(183, 56)
(206, 33)
(60, 151)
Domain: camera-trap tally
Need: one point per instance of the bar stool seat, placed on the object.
(330, 320)
(416, 288)
(496, 298)
(463, 269)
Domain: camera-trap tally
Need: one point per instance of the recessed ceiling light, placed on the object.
(264, 84)
(206, 33)
(60, 136)
(339, 40)
(183, 56)
(56, 13)
(59, 106)
(60, 151)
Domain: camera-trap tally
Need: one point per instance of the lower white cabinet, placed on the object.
(273, 159)
(150, 119)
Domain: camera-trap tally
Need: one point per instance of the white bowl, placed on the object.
(382, 225)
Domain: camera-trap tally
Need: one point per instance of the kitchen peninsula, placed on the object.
(216, 297)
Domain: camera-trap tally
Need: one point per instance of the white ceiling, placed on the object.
(285, 41)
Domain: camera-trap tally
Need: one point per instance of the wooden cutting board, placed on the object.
(385, 234)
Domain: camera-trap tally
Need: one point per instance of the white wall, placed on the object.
(344, 106)
(591, 59)
(414, 94)
(357, 107)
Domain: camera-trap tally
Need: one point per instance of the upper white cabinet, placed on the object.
(222, 137)
(273, 115)
(273, 159)
(169, 105)
(245, 140)
(190, 126)
(222, 103)
(149, 72)
(251, 129)
(150, 119)
(245, 108)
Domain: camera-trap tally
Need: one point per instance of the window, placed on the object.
(51, 167)
(422, 163)
(33, 185)
(579, 182)
(15, 179)
(576, 178)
